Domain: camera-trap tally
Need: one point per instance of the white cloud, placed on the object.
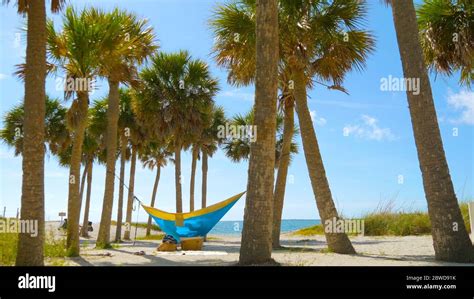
(238, 94)
(464, 102)
(319, 121)
(3, 76)
(369, 129)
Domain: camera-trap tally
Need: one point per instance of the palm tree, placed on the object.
(447, 38)
(256, 246)
(126, 123)
(72, 50)
(176, 94)
(450, 238)
(155, 155)
(288, 147)
(317, 39)
(210, 140)
(131, 42)
(93, 149)
(30, 249)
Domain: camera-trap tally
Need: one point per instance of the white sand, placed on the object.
(298, 251)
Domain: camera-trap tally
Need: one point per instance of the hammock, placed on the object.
(193, 224)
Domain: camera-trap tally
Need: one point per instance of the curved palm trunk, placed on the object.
(30, 249)
(193, 177)
(450, 238)
(74, 200)
(280, 184)
(123, 149)
(131, 188)
(103, 238)
(204, 168)
(256, 247)
(85, 222)
(337, 242)
(153, 197)
(177, 178)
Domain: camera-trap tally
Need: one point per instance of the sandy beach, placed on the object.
(220, 250)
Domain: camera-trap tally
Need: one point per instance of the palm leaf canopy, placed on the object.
(447, 36)
(324, 37)
(176, 98)
(56, 133)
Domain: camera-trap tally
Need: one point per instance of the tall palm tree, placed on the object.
(317, 39)
(154, 155)
(94, 150)
(210, 140)
(286, 104)
(126, 123)
(450, 238)
(176, 94)
(30, 249)
(91, 151)
(447, 37)
(256, 246)
(131, 42)
(72, 50)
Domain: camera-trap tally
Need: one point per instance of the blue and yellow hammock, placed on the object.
(193, 224)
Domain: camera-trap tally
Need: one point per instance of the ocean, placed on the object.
(235, 227)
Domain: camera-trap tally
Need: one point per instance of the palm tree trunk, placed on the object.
(74, 200)
(85, 222)
(256, 247)
(450, 238)
(123, 149)
(153, 197)
(30, 249)
(280, 185)
(337, 242)
(177, 178)
(193, 177)
(103, 238)
(83, 181)
(131, 188)
(204, 168)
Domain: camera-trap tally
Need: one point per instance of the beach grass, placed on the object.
(53, 248)
(387, 222)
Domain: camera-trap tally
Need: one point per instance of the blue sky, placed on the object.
(376, 161)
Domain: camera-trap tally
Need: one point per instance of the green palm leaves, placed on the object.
(447, 37)
(176, 95)
(56, 133)
(322, 37)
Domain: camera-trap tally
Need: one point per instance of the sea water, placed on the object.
(235, 227)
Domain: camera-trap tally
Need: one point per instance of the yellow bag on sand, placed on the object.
(167, 247)
(191, 243)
